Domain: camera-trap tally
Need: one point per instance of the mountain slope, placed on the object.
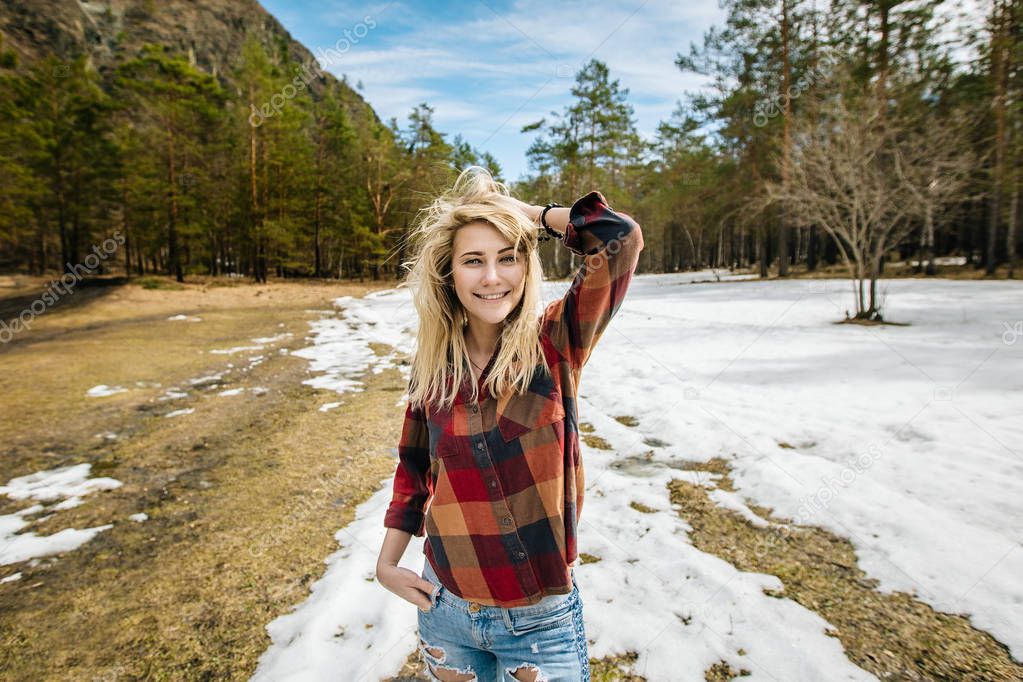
(211, 33)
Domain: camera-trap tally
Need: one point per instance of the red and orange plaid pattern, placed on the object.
(502, 477)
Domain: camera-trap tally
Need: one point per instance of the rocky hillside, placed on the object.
(210, 32)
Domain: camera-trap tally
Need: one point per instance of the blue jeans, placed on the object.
(547, 638)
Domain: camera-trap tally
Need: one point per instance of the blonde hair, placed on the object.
(438, 367)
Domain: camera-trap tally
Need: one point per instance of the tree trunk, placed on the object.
(1000, 81)
(762, 250)
(928, 246)
(174, 262)
(1010, 233)
(41, 260)
(255, 224)
(811, 249)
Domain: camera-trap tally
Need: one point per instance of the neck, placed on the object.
(481, 338)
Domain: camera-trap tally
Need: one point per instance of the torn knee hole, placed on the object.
(527, 672)
(445, 674)
(452, 675)
(432, 650)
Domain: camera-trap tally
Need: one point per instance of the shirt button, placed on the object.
(493, 484)
(475, 409)
(520, 555)
(506, 520)
(479, 445)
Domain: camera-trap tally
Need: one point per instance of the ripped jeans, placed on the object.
(545, 642)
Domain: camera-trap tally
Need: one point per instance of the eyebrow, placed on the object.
(480, 253)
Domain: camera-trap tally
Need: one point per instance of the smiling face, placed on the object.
(488, 275)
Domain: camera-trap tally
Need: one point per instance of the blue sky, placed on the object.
(489, 67)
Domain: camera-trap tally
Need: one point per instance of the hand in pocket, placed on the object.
(407, 585)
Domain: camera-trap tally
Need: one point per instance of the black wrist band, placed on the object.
(551, 233)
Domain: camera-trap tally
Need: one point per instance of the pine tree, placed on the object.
(175, 103)
(591, 144)
(427, 158)
(63, 168)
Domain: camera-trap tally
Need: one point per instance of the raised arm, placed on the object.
(611, 243)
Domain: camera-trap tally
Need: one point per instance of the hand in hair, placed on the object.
(532, 212)
(557, 218)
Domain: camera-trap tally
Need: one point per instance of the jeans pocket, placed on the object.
(434, 597)
(527, 619)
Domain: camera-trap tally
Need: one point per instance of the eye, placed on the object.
(504, 259)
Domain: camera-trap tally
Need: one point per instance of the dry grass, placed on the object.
(596, 442)
(615, 668)
(894, 636)
(891, 271)
(716, 466)
(723, 672)
(244, 495)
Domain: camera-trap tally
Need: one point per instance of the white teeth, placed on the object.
(491, 297)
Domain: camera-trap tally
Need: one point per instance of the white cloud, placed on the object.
(492, 71)
(390, 101)
(490, 74)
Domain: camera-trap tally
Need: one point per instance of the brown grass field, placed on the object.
(182, 595)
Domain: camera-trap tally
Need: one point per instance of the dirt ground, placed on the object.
(187, 593)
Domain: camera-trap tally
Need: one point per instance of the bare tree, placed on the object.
(936, 172)
(1001, 64)
(867, 178)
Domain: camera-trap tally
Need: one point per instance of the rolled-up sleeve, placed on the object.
(611, 242)
(413, 485)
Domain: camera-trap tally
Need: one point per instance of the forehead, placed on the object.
(479, 236)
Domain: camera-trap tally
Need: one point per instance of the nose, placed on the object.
(489, 274)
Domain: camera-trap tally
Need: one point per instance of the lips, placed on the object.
(492, 297)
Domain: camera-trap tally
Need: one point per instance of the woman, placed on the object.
(490, 437)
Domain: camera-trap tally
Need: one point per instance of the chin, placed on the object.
(493, 318)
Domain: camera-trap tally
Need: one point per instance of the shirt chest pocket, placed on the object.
(527, 416)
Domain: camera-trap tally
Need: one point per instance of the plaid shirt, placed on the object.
(503, 476)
